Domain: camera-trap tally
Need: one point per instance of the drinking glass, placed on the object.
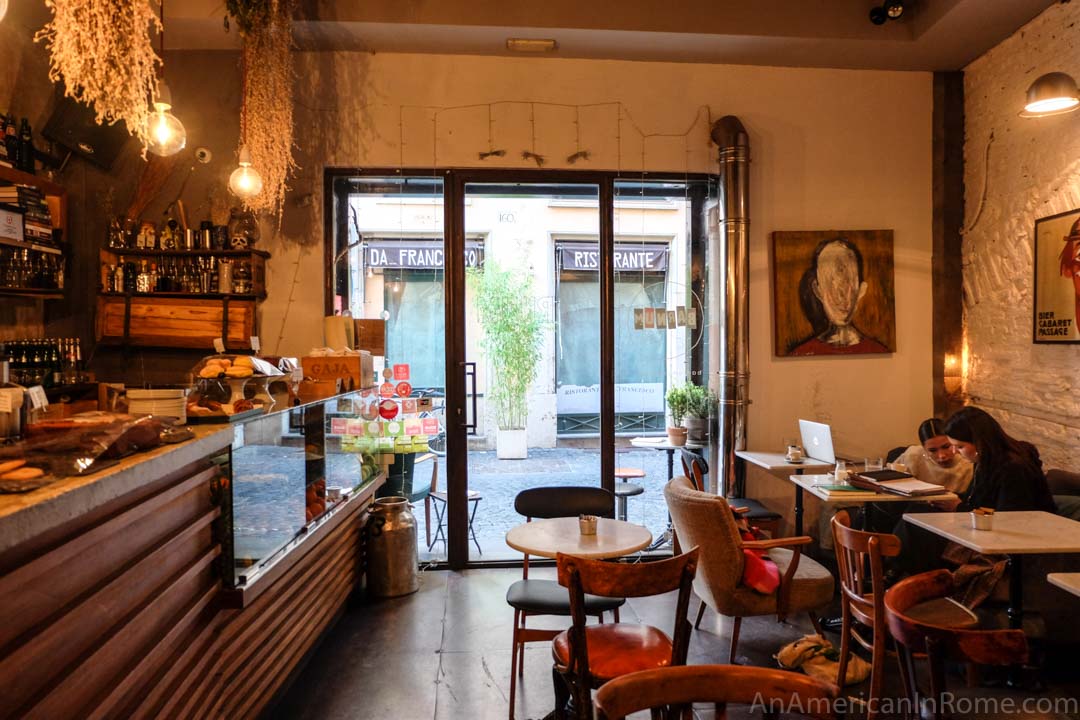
(841, 472)
(874, 463)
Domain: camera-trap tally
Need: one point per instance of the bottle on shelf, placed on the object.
(11, 142)
(26, 147)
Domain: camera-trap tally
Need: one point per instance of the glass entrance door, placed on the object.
(532, 348)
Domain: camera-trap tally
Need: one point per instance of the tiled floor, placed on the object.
(444, 652)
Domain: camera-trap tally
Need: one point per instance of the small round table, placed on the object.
(551, 536)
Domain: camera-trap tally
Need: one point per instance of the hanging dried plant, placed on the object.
(102, 50)
(266, 116)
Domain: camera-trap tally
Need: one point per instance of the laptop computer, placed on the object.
(817, 441)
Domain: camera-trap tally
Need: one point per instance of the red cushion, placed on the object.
(616, 649)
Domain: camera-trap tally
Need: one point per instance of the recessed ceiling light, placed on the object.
(531, 45)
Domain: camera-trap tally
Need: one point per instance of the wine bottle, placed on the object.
(26, 147)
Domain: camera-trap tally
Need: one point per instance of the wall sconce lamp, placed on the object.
(888, 10)
(1051, 94)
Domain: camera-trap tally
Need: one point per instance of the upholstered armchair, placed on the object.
(705, 520)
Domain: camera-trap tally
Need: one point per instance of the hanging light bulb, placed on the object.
(167, 134)
(370, 272)
(245, 181)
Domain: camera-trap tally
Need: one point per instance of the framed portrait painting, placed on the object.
(833, 292)
(1057, 279)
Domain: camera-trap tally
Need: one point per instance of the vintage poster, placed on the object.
(833, 292)
(1057, 279)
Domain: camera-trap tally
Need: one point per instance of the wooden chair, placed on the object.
(530, 597)
(587, 656)
(705, 520)
(857, 554)
(917, 631)
(437, 499)
(674, 689)
(695, 468)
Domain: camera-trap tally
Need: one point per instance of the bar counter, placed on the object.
(113, 597)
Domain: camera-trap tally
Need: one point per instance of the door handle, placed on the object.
(470, 372)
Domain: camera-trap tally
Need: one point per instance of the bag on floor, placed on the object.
(816, 657)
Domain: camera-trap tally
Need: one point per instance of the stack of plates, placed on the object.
(162, 403)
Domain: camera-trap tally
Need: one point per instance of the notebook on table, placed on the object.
(895, 482)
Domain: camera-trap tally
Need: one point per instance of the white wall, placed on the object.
(1032, 171)
(831, 149)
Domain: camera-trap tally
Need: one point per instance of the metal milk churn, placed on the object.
(392, 560)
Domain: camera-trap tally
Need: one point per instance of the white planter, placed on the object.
(511, 445)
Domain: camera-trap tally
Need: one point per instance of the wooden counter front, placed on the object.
(113, 604)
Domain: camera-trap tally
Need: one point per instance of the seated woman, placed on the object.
(934, 460)
(1008, 472)
(1007, 476)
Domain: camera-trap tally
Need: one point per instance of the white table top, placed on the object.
(548, 537)
(661, 443)
(857, 496)
(773, 461)
(1013, 533)
(1066, 581)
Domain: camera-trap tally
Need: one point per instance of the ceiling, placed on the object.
(932, 35)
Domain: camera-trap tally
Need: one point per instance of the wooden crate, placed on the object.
(175, 322)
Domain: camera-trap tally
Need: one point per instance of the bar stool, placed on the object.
(624, 488)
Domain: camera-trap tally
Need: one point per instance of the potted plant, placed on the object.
(677, 401)
(513, 328)
(700, 405)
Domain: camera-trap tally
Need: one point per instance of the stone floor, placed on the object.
(444, 652)
(499, 481)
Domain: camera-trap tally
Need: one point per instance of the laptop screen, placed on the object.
(817, 441)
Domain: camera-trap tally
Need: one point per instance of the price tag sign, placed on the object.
(256, 346)
(219, 346)
(37, 397)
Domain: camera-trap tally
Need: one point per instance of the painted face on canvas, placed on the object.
(837, 283)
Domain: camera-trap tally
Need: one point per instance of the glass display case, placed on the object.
(291, 471)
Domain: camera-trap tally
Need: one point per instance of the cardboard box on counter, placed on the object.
(357, 369)
(370, 335)
(312, 390)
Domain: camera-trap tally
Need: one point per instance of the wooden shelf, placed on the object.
(38, 293)
(135, 252)
(23, 178)
(184, 295)
(32, 245)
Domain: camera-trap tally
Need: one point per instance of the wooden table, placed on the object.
(820, 487)
(1070, 582)
(772, 462)
(551, 536)
(662, 443)
(1014, 534)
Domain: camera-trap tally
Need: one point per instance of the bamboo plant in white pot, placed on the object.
(513, 328)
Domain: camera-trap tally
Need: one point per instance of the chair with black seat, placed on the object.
(917, 630)
(674, 689)
(587, 656)
(531, 597)
(755, 513)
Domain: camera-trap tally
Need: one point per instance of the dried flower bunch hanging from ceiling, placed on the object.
(102, 51)
(266, 114)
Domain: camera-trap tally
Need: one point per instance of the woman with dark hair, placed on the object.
(1008, 472)
(935, 460)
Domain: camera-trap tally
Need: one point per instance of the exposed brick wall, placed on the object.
(1032, 171)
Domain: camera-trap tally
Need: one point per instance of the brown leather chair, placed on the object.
(916, 632)
(587, 656)
(705, 520)
(674, 689)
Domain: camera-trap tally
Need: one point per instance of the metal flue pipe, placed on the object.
(729, 306)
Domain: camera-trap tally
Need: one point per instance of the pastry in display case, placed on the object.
(227, 387)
